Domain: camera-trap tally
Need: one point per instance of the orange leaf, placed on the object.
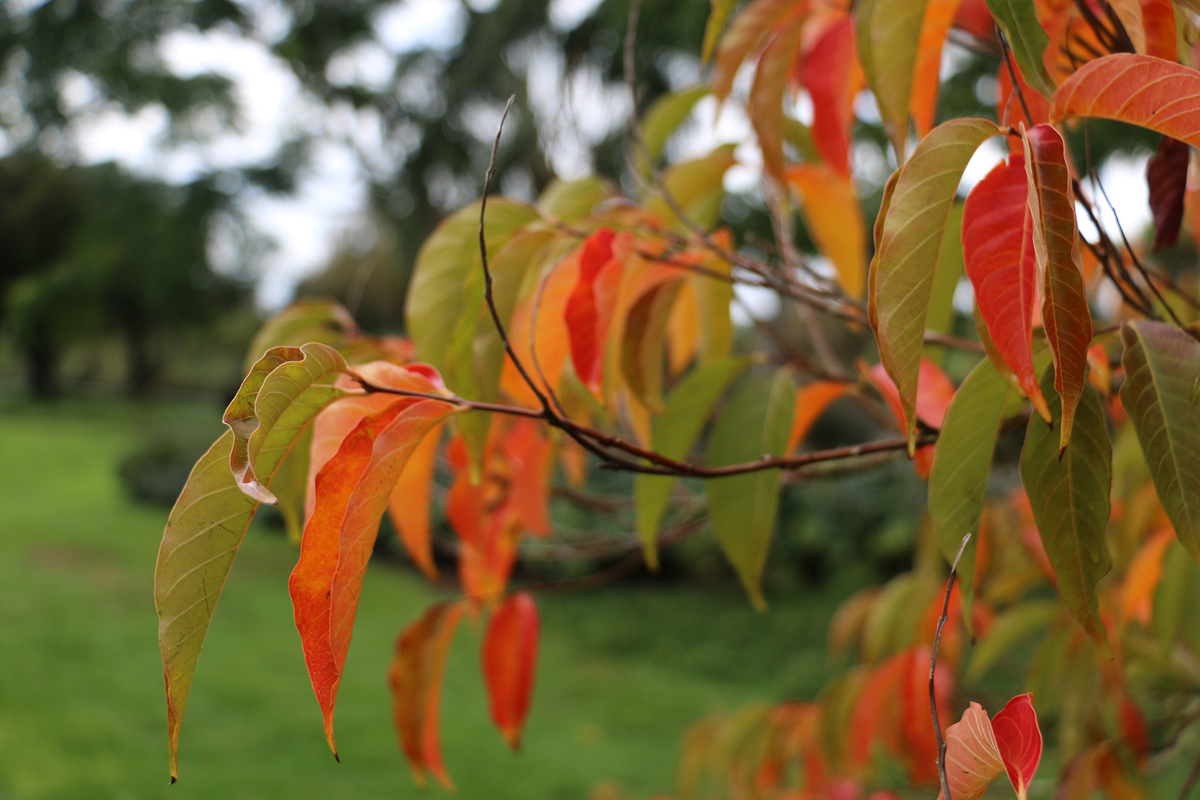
(834, 219)
(589, 310)
(811, 401)
(531, 456)
(1065, 314)
(537, 329)
(1012, 101)
(746, 33)
(1158, 24)
(409, 504)
(415, 677)
(509, 660)
(934, 392)
(998, 250)
(831, 73)
(939, 16)
(352, 491)
(1140, 90)
(972, 756)
(1141, 579)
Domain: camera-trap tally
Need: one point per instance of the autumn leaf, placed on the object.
(746, 34)
(831, 73)
(901, 277)
(1065, 314)
(1000, 261)
(1140, 90)
(352, 492)
(415, 677)
(1161, 394)
(767, 92)
(972, 756)
(895, 33)
(1019, 741)
(510, 646)
(1166, 178)
(1017, 102)
(834, 219)
(590, 308)
(939, 17)
(410, 501)
(811, 401)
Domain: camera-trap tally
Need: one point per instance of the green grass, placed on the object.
(623, 670)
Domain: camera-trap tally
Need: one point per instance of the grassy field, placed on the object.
(623, 670)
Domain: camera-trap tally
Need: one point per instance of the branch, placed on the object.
(937, 640)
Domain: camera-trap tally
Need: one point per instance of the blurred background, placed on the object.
(172, 171)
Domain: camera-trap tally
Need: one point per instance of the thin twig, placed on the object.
(1190, 781)
(937, 640)
(1012, 75)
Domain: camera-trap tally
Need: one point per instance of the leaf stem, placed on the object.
(937, 640)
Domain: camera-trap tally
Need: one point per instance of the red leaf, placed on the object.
(415, 677)
(997, 238)
(934, 392)
(1166, 177)
(1065, 314)
(1158, 20)
(531, 456)
(831, 73)
(1019, 740)
(352, 491)
(589, 310)
(509, 660)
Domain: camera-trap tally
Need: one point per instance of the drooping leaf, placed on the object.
(1161, 394)
(410, 501)
(811, 401)
(448, 259)
(1002, 266)
(589, 310)
(746, 34)
(754, 423)
(831, 72)
(1019, 740)
(1142, 577)
(834, 219)
(939, 17)
(510, 647)
(352, 492)
(643, 350)
(958, 480)
(895, 31)
(1027, 39)
(901, 278)
(203, 534)
(529, 453)
(766, 95)
(1069, 495)
(687, 408)
(669, 112)
(698, 187)
(415, 677)
(1166, 178)
(721, 11)
(972, 756)
(1140, 90)
(1009, 629)
(1065, 314)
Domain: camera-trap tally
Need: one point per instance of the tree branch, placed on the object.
(937, 640)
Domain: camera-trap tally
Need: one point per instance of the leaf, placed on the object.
(946, 276)
(1021, 103)
(1002, 266)
(410, 501)
(571, 201)
(589, 310)
(834, 219)
(1161, 394)
(538, 333)
(959, 478)
(643, 350)
(811, 401)
(304, 321)
(687, 408)
(698, 186)
(1026, 38)
(833, 77)
(1065, 313)
(972, 755)
(1142, 577)
(666, 115)
(901, 277)
(415, 677)
(352, 492)
(510, 647)
(745, 35)
(203, 534)
(1069, 495)
(1140, 90)
(1166, 178)
(1158, 22)
(895, 31)
(298, 385)
(934, 392)
(1015, 625)
(742, 508)
(766, 95)
(443, 270)
(939, 17)
(1019, 740)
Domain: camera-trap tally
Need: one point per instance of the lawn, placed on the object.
(623, 669)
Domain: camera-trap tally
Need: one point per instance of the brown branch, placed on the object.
(937, 640)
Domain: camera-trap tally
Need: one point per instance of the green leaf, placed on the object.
(202, 537)
(303, 321)
(1007, 631)
(946, 276)
(666, 115)
(644, 342)
(1176, 599)
(1070, 500)
(721, 10)
(1161, 394)
(698, 187)
(1027, 40)
(910, 240)
(958, 481)
(864, 11)
(448, 259)
(243, 422)
(754, 423)
(687, 408)
(895, 32)
(571, 201)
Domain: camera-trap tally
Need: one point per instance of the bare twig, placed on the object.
(937, 640)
